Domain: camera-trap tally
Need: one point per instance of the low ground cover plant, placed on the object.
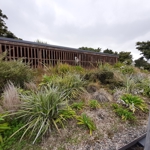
(94, 104)
(124, 113)
(134, 102)
(78, 105)
(87, 122)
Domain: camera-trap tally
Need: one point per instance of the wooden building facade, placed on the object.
(38, 54)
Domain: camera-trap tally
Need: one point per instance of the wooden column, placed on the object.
(0, 48)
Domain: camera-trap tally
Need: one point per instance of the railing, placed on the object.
(38, 55)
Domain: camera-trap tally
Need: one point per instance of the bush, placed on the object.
(14, 71)
(105, 76)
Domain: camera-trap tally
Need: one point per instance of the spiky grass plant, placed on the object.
(94, 104)
(87, 122)
(129, 83)
(40, 110)
(134, 102)
(71, 83)
(78, 105)
(10, 97)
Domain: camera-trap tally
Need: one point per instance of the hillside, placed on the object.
(72, 108)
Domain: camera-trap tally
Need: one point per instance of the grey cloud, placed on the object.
(109, 24)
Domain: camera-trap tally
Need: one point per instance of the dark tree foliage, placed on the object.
(142, 63)
(90, 49)
(4, 32)
(144, 48)
(109, 51)
(125, 57)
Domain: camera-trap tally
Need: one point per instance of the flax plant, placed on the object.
(40, 110)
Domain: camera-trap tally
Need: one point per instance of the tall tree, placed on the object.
(3, 28)
(109, 51)
(90, 49)
(125, 57)
(142, 63)
(144, 48)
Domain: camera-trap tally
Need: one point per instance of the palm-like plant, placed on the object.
(40, 110)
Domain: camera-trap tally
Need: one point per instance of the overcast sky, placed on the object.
(112, 24)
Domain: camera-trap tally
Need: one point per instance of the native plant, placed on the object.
(15, 71)
(123, 113)
(64, 115)
(134, 102)
(78, 105)
(40, 110)
(3, 127)
(129, 83)
(94, 104)
(10, 97)
(72, 84)
(87, 122)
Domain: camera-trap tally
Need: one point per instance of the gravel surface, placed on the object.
(117, 141)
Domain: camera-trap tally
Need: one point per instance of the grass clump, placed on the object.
(87, 122)
(40, 110)
(78, 105)
(123, 113)
(134, 102)
(72, 84)
(94, 104)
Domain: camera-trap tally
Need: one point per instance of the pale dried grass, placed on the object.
(10, 98)
(31, 86)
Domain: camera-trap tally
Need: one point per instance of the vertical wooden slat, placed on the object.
(21, 51)
(17, 52)
(39, 58)
(0, 48)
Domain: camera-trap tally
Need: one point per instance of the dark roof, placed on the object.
(54, 46)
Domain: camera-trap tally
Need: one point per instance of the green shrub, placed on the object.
(91, 76)
(134, 102)
(105, 76)
(87, 122)
(3, 127)
(127, 69)
(10, 143)
(14, 71)
(40, 110)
